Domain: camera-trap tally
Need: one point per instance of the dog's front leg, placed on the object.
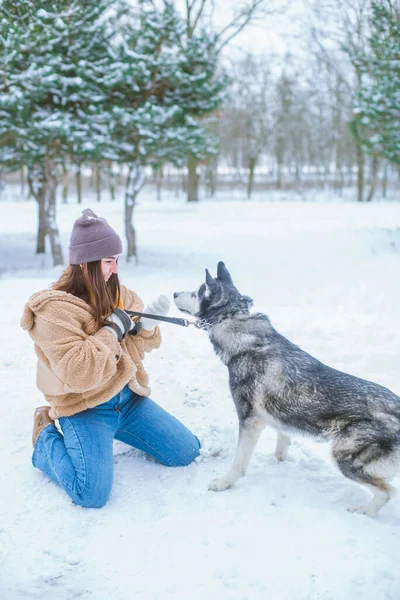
(249, 434)
(282, 446)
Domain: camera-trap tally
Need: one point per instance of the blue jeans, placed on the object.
(81, 460)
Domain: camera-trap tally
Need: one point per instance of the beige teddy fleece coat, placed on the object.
(80, 366)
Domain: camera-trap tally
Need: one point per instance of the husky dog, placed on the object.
(273, 382)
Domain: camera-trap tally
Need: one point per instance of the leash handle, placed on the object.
(174, 320)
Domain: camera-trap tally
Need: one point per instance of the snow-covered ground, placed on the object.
(327, 274)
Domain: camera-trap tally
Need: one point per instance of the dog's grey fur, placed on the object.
(273, 382)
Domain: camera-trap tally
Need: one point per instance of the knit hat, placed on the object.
(92, 238)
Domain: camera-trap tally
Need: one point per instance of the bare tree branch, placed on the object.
(328, 59)
(196, 20)
(250, 12)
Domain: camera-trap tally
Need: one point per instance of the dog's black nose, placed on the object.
(176, 294)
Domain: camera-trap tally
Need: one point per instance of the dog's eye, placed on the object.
(193, 294)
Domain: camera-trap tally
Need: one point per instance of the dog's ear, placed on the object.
(223, 273)
(209, 280)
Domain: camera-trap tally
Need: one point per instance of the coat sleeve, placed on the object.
(81, 361)
(144, 340)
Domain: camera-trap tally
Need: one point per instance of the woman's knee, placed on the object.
(186, 454)
(95, 489)
(92, 498)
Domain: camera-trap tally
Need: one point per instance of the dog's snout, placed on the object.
(176, 294)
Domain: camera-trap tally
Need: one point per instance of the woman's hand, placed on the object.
(120, 323)
(160, 307)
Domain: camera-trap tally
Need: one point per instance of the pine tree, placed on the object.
(156, 93)
(53, 59)
(378, 106)
(100, 80)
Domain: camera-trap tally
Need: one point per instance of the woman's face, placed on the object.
(109, 266)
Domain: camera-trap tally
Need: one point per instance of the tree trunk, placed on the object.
(350, 175)
(297, 173)
(98, 182)
(134, 184)
(178, 184)
(159, 179)
(374, 177)
(22, 179)
(360, 173)
(213, 182)
(79, 182)
(211, 175)
(36, 181)
(193, 180)
(111, 181)
(252, 166)
(121, 177)
(326, 175)
(212, 179)
(239, 160)
(43, 186)
(279, 176)
(65, 184)
(42, 225)
(385, 179)
(341, 180)
(320, 170)
(50, 204)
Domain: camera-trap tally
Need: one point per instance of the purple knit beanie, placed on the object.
(92, 238)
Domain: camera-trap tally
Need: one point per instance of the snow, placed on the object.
(327, 275)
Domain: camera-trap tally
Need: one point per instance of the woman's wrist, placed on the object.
(120, 323)
(113, 327)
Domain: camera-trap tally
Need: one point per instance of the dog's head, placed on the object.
(214, 299)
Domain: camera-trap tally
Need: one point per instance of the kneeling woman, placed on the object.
(91, 373)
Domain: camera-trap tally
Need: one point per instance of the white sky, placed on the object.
(275, 33)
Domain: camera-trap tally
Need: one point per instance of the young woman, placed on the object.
(91, 373)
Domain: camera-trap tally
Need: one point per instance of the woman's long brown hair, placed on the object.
(88, 284)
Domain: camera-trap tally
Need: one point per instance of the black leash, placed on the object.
(174, 320)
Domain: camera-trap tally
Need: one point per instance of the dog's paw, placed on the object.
(360, 509)
(281, 456)
(219, 485)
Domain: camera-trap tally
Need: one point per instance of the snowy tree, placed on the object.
(101, 81)
(156, 88)
(199, 20)
(53, 60)
(377, 111)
